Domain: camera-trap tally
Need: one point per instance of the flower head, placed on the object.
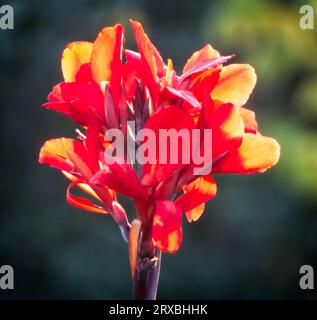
(108, 87)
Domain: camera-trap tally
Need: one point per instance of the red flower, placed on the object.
(102, 92)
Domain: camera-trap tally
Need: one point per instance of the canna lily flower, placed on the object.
(106, 87)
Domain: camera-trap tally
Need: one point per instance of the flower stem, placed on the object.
(146, 278)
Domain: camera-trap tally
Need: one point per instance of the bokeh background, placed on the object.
(254, 235)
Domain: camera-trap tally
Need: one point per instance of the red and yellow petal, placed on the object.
(227, 127)
(81, 202)
(250, 124)
(152, 63)
(206, 53)
(204, 83)
(196, 193)
(106, 58)
(194, 214)
(149, 53)
(55, 153)
(106, 55)
(167, 226)
(235, 84)
(203, 66)
(75, 55)
(256, 154)
(82, 185)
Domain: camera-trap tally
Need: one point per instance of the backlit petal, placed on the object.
(197, 192)
(151, 60)
(226, 124)
(235, 84)
(250, 124)
(203, 66)
(167, 226)
(106, 58)
(195, 214)
(148, 52)
(256, 154)
(206, 53)
(84, 186)
(74, 55)
(55, 153)
(81, 202)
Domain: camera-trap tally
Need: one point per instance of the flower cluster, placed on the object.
(106, 86)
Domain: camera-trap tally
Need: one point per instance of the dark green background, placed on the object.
(254, 235)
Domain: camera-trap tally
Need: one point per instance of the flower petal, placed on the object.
(167, 226)
(74, 55)
(203, 66)
(92, 142)
(250, 124)
(226, 124)
(197, 192)
(106, 58)
(115, 176)
(153, 65)
(206, 53)
(204, 83)
(82, 203)
(184, 95)
(130, 75)
(134, 244)
(228, 128)
(76, 99)
(148, 52)
(194, 214)
(256, 154)
(82, 185)
(55, 153)
(120, 215)
(235, 84)
(165, 119)
(62, 107)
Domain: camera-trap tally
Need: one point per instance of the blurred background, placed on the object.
(254, 235)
